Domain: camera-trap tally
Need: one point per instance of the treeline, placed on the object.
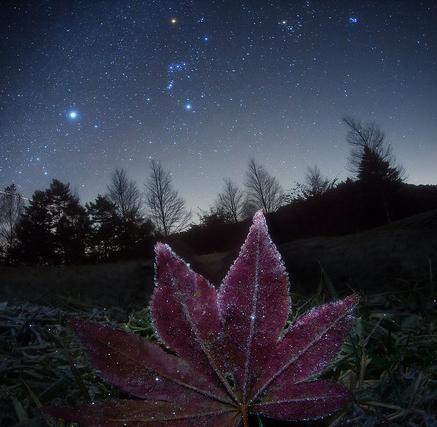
(53, 227)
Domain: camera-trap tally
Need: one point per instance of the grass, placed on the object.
(389, 360)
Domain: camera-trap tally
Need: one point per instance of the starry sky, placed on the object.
(204, 85)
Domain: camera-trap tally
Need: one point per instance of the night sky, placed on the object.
(88, 86)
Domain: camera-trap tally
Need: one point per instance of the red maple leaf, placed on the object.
(230, 355)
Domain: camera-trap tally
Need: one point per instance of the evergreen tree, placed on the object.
(53, 228)
(35, 237)
(105, 228)
(375, 168)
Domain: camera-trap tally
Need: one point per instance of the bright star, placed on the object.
(173, 21)
(188, 106)
(73, 115)
(353, 20)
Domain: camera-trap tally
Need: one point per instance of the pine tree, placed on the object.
(53, 227)
(105, 228)
(375, 168)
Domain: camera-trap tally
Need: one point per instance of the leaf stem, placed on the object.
(245, 414)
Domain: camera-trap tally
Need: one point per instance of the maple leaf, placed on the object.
(230, 355)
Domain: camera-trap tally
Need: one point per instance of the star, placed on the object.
(203, 70)
(177, 66)
(170, 85)
(73, 115)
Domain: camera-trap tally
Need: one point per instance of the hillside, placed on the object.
(401, 252)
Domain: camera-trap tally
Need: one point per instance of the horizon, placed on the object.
(195, 210)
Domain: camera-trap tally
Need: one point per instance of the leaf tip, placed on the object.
(162, 248)
(259, 218)
(259, 226)
(163, 253)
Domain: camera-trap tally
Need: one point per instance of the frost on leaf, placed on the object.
(229, 356)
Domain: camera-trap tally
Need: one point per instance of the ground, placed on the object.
(389, 360)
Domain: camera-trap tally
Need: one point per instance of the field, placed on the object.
(389, 360)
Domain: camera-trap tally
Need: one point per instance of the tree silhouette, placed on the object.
(11, 207)
(373, 164)
(105, 227)
(371, 157)
(263, 190)
(166, 208)
(53, 227)
(316, 185)
(230, 202)
(212, 217)
(126, 197)
(34, 231)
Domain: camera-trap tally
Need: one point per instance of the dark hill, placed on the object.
(402, 252)
(345, 209)
(385, 257)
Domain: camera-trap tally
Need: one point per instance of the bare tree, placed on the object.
(230, 201)
(11, 208)
(263, 190)
(371, 157)
(166, 208)
(125, 195)
(316, 184)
